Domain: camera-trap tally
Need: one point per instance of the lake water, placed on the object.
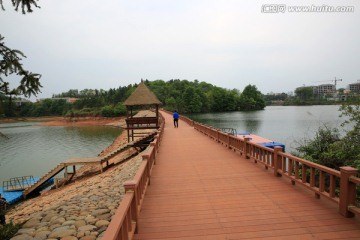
(289, 125)
(34, 150)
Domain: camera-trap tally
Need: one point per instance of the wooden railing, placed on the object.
(337, 186)
(187, 120)
(319, 179)
(124, 223)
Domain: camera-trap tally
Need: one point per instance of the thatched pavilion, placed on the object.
(141, 97)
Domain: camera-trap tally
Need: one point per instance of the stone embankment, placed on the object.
(81, 210)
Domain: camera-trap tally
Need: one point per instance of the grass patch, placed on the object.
(9, 230)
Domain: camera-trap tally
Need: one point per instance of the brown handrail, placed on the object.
(124, 223)
(315, 177)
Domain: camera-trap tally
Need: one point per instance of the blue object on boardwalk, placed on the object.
(15, 196)
(273, 144)
(243, 133)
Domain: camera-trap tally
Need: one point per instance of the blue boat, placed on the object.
(12, 189)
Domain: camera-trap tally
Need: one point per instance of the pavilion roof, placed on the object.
(142, 96)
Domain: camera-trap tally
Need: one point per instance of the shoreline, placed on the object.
(82, 208)
(75, 121)
(85, 206)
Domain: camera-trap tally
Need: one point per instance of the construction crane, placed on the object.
(335, 81)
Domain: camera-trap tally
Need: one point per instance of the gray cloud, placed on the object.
(92, 44)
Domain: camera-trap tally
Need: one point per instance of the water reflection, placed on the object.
(286, 124)
(33, 149)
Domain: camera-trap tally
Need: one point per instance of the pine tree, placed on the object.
(10, 63)
(24, 4)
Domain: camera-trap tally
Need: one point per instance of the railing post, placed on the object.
(277, 161)
(156, 138)
(153, 144)
(130, 186)
(148, 165)
(347, 190)
(246, 146)
(228, 142)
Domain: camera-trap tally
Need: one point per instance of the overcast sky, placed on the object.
(107, 44)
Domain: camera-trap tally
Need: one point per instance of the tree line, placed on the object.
(199, 97)
(182, 95)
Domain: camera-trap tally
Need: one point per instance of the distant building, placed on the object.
(324, 89)
(21, 101)
(354, 87)
(67, 99)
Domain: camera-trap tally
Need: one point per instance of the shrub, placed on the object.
(120, 110)
(107, 111)
(9, 230)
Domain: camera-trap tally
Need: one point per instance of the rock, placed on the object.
(102, 229)
(100, 211)
(106, 216)
(59, 220)
(68, 223)
(100, 236)
(91, 221)
(101, 223)
(28, 231)
(52, 227)
(69, 238)
(62, 228)
(33, 222)
(42, 225)
(41, 235)
(22, 237)
(87, 228)
(48, 217)
(88, 238)
(79, 223)
(80, 234)
(61, 234)
(84, 200)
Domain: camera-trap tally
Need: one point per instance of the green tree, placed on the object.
(352, 111)
(26, 5)
(192, 100)
(251, 99)
(120, 110)
(10, 64)
(107, 111)
(331, 150)
(217, 96)
(171, 104)
(304, 93)
(323, 148)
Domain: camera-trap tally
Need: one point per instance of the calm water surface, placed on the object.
(34, 150)
(289, 125)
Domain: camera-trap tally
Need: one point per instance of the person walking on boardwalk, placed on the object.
(176, 119)
(3, 204)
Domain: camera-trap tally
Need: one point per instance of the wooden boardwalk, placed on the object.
(201, 190)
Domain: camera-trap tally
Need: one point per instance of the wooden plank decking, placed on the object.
(201, 190)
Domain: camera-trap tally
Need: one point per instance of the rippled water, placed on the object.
(286, 124)
(34, 150)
